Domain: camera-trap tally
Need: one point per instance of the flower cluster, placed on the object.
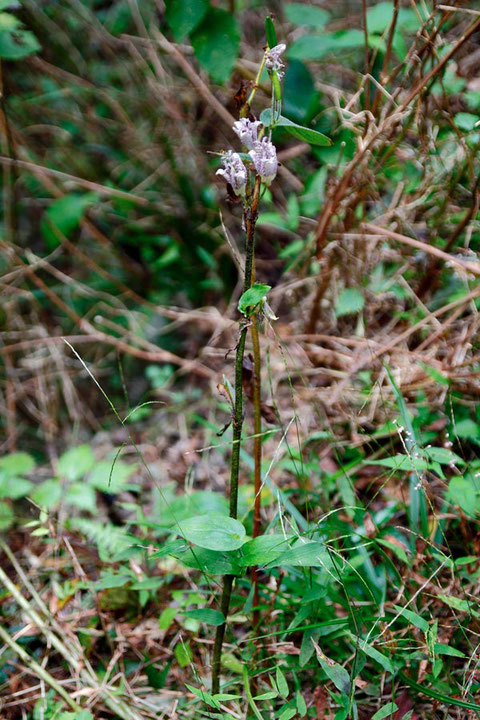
(272, 60)
(264, 156)
(247, 131)
(234, 172)
(262, 152)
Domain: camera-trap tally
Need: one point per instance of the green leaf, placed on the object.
(183, 16)
(303, 14)
(65, 214)
(14, 487)
(190, 504)
(17, 43)
(252, 297)
(166, 618)
(435, 374)
(385, 711)
(207, 616)
(75, 463)
(402, 462)
(216, 43)
(466, 121)
(263, 549)
(467, 428)
(349, 301)
(310, 554)
(335, 672)
(7, 20)
(444, 456)
(413, 618)
(270, 32)
(270, 695)
(213, 532)
(203, 695)
(396, 549)
(209, 561)
(17, 464)
(458, 604)
(300, 98)
(380, 16)
(282, 683)
(441, 649)
(47, 494)
(315, 47)
(372, 652)
(287, 713)
(183, 654)
(447, 699)
(6, 516)
(462, 492)
(82, 496)
(111, 580)
(152, 583)
(313, 137)
(301, 704)
(171, 547)
(111, 476)
(80, 715)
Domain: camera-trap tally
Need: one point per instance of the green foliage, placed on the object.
(252, 298)
(213, 532)
(315, 47)
(270, 32)
(349, 302)
(16, 43)
(64, 215)
(207, 616)
(75, 463)
(302, 133)
(112, 476)
(385, 711)
(312, 16)
(183, 16)
(6, 516)
(216, 42)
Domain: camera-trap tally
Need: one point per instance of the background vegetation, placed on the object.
(121, 256)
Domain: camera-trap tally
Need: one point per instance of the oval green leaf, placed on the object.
(206, 615)
(313, 137)
(213, 532)
(252, 297)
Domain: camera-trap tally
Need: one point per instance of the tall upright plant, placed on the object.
(246, 174)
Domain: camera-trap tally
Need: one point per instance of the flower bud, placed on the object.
(234, 172)
(264, 156)
(272, 59)
(247, 131)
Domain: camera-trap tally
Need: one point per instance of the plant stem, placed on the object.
(251, 219)
(257, 455)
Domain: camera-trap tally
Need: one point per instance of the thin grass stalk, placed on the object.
(251, 219)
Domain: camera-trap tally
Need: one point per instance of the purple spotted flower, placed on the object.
(247, 131)
(264, 156)
(272, 59)
(234, 172)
